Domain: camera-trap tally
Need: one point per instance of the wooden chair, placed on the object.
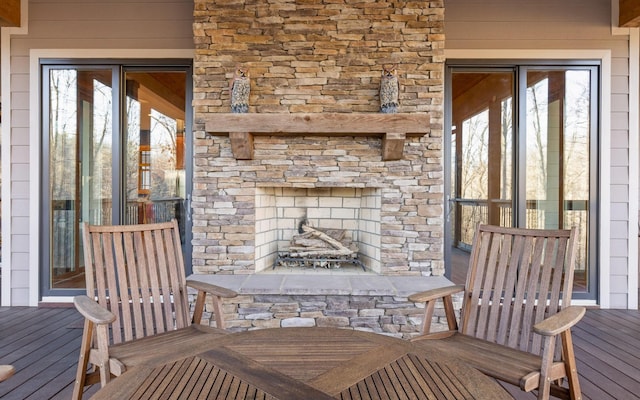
(136, 273)
(516, 302)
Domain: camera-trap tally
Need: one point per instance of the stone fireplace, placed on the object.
(314, 143)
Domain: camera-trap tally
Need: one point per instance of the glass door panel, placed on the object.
(558, 127)
(155, 147)
(481, 158)
(80, 160)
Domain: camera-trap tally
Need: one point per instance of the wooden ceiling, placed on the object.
(629, 16)
(10, 13)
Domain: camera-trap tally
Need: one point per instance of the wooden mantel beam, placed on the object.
(629, 14)
(10, 13)
(393, 128)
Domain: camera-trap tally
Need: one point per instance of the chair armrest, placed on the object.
(212, 289)
(432, 294)
(218, 293)
(93, 311)
(559, 322)
(428, 297)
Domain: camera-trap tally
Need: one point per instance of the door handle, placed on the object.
(451, 201)
(187, 207)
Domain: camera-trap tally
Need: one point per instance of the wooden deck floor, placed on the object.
(43, 345)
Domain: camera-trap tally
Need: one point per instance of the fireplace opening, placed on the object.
(281, 211)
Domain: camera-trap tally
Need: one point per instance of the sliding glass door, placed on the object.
(115, 145)
(522, 152)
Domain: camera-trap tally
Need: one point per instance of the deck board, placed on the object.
(43, 345)
(40, 331)
(607, 347)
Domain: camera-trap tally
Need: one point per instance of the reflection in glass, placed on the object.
(558, 130)
(155, 147)
(482, 152)
(80, 120)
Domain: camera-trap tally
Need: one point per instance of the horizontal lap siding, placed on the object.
(571, 24)
(107, 24)
(542, 22)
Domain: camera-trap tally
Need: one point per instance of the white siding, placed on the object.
(579, 25)
(63, 28)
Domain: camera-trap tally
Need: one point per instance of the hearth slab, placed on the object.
(309, 284)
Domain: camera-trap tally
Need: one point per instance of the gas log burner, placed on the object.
(315, 247)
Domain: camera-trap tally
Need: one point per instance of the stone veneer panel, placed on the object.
(371, 303)
(389, 315)
(318, 56)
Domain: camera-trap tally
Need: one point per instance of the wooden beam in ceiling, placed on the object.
(10, 13)
(629, 15)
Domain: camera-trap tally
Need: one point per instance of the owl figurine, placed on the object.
(389, 88)
(239, 89)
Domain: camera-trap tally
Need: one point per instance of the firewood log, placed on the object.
(323, 236)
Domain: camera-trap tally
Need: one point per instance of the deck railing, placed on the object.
(474, 211)
(65, 228)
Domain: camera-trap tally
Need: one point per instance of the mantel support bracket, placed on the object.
(393, 146)
(241, 145)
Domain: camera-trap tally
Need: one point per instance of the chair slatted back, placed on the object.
(516, 278)
(137, 272)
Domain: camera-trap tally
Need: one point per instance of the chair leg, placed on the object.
(544, 386)
(102, 342)
(217, 309)
(429, 308)
(570, 365)
(83, 360)
(199, 307)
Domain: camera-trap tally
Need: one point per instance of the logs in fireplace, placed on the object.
(319, 247)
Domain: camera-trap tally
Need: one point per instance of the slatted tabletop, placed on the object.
(309, 363)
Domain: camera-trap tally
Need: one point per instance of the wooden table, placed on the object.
(304, 363)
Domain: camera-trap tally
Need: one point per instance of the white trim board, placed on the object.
(5, 157)
(634, 164)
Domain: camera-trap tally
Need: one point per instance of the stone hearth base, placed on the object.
(365, 302)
